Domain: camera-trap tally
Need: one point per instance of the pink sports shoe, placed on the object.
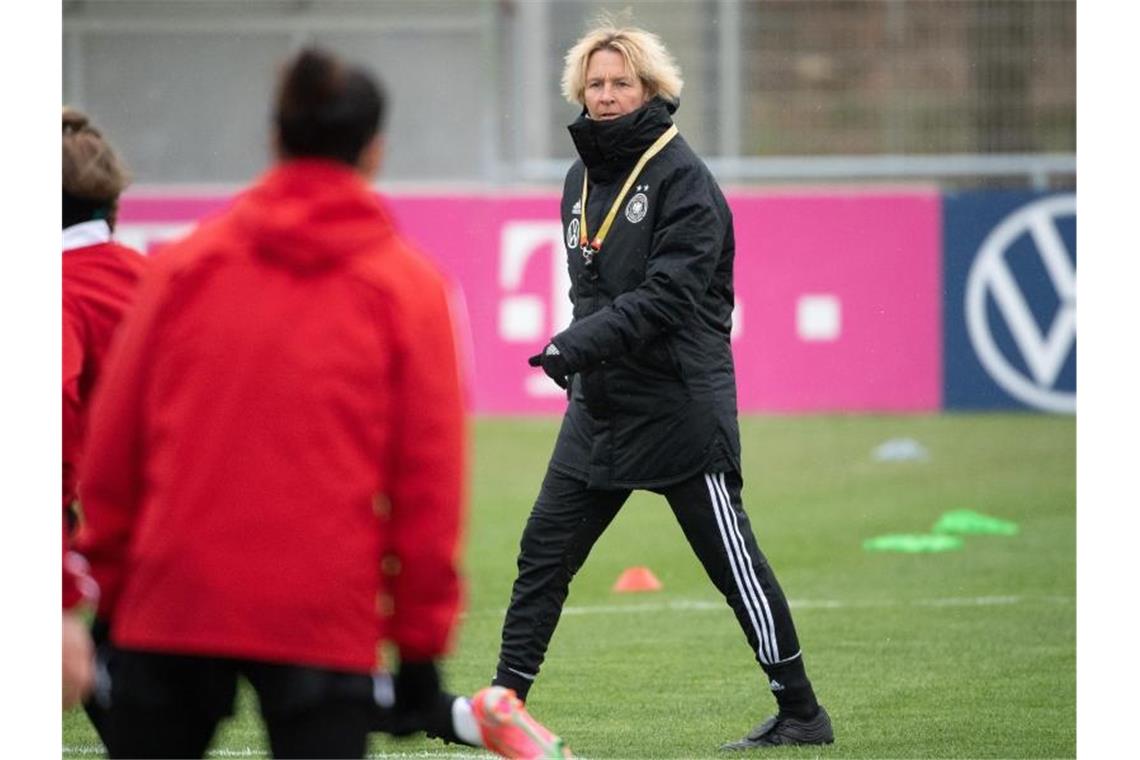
(509, 730)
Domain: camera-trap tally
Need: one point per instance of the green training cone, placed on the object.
(912, 543)
(965, 521)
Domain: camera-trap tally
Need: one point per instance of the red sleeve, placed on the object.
(77, 584)
(428, 480)
(73, 353)
(112, 467)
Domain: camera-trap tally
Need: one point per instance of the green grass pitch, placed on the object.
(966, 654)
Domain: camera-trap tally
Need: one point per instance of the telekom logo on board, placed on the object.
(528, 317)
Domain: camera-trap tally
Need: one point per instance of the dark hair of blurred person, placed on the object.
(98, 281)
(93, 175)
(279, 443)
(325, 109)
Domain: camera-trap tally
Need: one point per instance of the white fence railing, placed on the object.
(1035, 168)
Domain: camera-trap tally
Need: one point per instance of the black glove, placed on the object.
(101, 632)
(417, 695)
(98, 705)
(553, 364)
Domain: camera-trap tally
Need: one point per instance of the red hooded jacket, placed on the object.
(281, 419)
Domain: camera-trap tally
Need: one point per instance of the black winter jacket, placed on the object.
(653, 395)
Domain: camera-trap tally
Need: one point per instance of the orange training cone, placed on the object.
(634, 579)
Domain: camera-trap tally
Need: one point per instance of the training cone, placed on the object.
(634, 579)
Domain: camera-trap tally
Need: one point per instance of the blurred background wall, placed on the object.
(902, 173)
(970, 92)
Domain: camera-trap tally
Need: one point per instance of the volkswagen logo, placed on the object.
(1043, 351)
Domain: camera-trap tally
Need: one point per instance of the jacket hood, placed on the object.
(312, 214)
(609, 148)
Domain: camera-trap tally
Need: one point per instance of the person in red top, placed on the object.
(275, 476)
(99, 277)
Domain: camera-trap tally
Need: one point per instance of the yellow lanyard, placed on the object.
(591, 247)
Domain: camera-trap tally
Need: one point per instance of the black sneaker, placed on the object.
(783, 730)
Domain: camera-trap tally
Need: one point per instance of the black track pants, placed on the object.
(567, 520)
(166, 705)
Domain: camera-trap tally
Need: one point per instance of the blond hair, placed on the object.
(91, 168)
(644, 54)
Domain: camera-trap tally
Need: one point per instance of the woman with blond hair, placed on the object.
(648, 370)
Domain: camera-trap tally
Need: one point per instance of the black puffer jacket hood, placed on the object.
(612, 146)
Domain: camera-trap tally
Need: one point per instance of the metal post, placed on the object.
(893, 124)
(530, 64)
(75, 91)
(729, 62)
(490, 159)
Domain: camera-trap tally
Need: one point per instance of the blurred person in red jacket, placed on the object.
(98, 280)
(274, 483)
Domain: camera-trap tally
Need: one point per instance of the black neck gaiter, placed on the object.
(77, 210)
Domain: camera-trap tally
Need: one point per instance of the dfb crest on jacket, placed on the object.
(572, 234)
(636, 208)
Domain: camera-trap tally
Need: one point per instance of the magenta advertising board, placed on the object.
(838, 292)
(839, 299)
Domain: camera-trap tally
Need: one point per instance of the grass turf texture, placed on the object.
(962, 654)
